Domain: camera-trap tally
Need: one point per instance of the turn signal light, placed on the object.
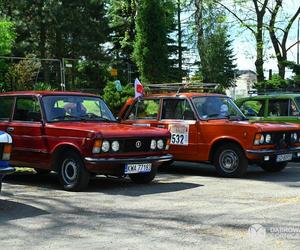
(97, 146)
(168, 144)
(6, 152)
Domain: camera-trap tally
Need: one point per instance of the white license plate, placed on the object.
(284, 157)
(138, 168)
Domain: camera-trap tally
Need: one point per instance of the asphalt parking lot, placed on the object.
(187, 207)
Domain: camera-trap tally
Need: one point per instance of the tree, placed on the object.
(243, 12)
(122, 15)
(7, 36)
(150, 48)
(214, 46)
(275, 31)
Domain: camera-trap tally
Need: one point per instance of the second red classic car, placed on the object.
(211, 128)
(76, 135)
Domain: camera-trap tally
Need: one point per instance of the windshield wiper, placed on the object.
(236, 118)
(64, 117)
(91, 116)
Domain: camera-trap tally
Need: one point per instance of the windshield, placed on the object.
(73, 108)
(216, 107)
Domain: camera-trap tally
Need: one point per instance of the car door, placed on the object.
(27, 130)
(144, 112)
(6, 108)
(282, 110)
(178, 116)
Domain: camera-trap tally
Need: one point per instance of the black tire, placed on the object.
(230, 160)
(40, 171)
(273, 167)
(72, 173)
(144, 178)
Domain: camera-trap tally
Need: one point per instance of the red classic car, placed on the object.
(76, 135)
(211, 128)
(5, 150)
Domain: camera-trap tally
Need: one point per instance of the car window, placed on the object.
(216, 107)
(282, 107)
(253, 107)
(69, 107)
(6, 105)
(27, 109)
(144, 109)
(177, 109)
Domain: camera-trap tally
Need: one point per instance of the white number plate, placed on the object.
(179, 134)
(138, 168)
(284, 157)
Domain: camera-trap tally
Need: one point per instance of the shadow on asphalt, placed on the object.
(10, 210)
(112, 186)
(290, 175)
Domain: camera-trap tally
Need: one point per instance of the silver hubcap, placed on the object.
(228, 161)
(69, 171)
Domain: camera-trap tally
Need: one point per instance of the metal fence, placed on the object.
(21, 73)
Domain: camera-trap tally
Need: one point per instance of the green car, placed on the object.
(272, 107)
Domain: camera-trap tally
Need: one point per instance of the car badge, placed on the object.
(138, 144)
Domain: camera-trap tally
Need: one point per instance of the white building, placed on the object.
(243, 84)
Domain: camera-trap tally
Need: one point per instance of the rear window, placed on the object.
(144, 109)
(6, 105)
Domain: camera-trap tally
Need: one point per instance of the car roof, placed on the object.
(42, 93)
(273, 96)
(187, 94)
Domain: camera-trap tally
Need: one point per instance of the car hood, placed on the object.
(110, 130)
(274, 126)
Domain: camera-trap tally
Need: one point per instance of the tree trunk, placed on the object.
(259, 63)
(199, 27)
(179, 39)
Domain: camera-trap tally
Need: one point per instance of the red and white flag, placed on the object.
(138, 88)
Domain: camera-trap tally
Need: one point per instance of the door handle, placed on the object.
(10, 129)
(161, 126)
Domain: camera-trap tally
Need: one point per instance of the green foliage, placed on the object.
(275, 83)
(115, 99)
(150, 48)
(7, 36)
(22, 75)
(43, 86)
(215, 49)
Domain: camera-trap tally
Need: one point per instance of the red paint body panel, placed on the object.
(35, 143)
(204, 134)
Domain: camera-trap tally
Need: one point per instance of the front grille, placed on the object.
(135, 145)
(282, 139)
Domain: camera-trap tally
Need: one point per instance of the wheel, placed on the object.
(144, 178)
(230, 160)
(40, 171)
(273, 166)
(72, 173)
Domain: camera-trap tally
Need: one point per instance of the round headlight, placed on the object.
(153, 144)
(294, 137)
(160, 144)
(262, 139)
(268, 138)
(115, 146)
(105, 146)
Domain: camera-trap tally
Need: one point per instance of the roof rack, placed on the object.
(185, 86)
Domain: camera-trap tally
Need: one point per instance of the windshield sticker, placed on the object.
(179, 134)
